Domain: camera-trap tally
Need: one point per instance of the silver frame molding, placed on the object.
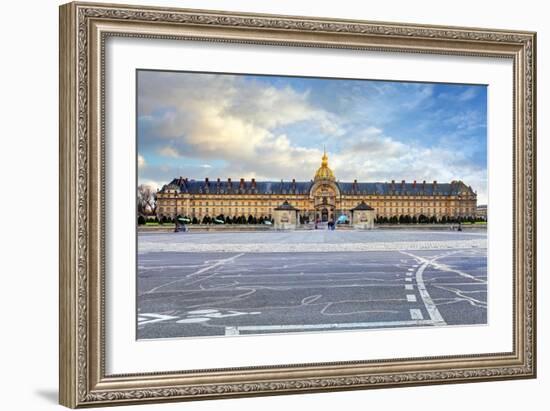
(84, 27)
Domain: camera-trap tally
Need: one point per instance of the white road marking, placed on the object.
(408, 286)
(410, 273)
(310, 299)
(303, 327)
(410, 269)
(149, 318)
(202, 311)
(193, 320)
(198, 272)
(416, 314)
(230, 313)
(408, 279)
(231, 331)
(434, 313)
(411, 298)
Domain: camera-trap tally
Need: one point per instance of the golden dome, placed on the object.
(324, 172)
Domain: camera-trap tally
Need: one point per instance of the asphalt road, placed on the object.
(182, 294)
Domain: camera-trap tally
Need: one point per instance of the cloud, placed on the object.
(141, 161)
(270, 129)
(242, 123)
(377, 157)
(168, 151)
(420, 94)
(467, 94)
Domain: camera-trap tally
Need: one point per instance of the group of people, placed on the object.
(331, 225)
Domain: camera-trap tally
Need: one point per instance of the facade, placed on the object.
(323, 198)
(362, 216)
(286, 216)
(481, 212)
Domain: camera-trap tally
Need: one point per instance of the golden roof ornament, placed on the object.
(324, 172)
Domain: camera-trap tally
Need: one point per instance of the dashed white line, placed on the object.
(434, 313)
(416, 314)
(408, 279)
(408, 286)
(411, 298)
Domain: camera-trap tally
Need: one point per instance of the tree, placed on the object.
(194, 221)
(146, 200)
(250, 219)
(414, 220)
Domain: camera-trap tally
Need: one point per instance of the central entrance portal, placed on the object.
(324, 215)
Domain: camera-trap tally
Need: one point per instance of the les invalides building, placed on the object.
(323, 198)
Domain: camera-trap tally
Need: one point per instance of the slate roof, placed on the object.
(286, 206)
(303, 187)
(362, 206)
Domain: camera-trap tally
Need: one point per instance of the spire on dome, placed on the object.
(324, 172)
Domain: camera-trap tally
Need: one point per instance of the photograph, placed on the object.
(261, 203)
(285, 204)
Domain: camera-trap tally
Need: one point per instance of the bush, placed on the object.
(141, 220)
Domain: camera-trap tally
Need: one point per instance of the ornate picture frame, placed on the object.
(84, 29)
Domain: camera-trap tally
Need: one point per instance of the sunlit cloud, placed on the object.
(272, 128)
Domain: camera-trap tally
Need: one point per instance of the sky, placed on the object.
(199, 125)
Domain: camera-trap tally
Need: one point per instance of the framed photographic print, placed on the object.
(260, 204)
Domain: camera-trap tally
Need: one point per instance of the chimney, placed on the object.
(423, 185)
(241, 185)
(218, 180)
(253, 183)
(414, 184)
(206, 180)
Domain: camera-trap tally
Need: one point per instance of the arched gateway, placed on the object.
(325, 193)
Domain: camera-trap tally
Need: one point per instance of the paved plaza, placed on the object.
(213, 284)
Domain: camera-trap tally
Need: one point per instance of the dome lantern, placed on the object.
(324, 172)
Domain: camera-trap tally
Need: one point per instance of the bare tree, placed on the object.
(146, 200)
